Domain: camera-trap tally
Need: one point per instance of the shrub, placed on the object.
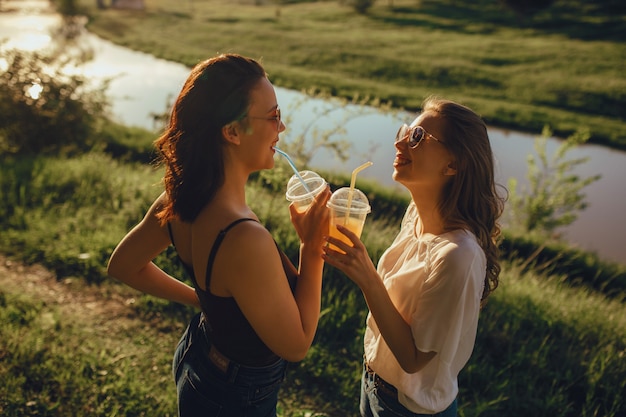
(43, 110)
(555, 194)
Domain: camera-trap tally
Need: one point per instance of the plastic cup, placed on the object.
(299, 195)
(352, 218)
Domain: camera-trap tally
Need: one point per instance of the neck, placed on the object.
(233, 192)
(429, 217)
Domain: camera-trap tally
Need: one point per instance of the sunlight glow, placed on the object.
(22, 36)
(34, 91)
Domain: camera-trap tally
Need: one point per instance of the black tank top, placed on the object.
(229, 330)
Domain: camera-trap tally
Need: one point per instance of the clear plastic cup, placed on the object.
(353, 219)
(298, 195)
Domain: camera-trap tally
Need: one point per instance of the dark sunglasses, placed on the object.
(416, 134)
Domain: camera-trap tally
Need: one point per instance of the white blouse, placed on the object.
(436, 285)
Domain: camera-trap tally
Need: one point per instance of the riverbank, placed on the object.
(516, 74)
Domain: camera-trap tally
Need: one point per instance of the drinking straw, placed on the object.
(352, 184)
(293, 166)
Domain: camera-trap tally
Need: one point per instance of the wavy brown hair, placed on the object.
(471, 198)
(216, 93)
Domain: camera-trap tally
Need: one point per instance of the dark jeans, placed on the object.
(210, 385)
(380, 399)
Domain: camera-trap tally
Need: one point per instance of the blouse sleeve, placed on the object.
(446, 313)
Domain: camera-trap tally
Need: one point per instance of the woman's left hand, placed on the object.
(354, 262)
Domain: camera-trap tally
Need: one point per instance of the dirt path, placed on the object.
(71, 296)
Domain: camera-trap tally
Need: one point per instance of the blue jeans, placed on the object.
(208, 384)
(380, 399)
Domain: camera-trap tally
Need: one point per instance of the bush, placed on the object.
(42, 109)
(555, 195)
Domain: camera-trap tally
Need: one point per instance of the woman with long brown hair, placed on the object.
(257, 310)
(425, 294)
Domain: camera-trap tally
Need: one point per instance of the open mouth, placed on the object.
(400, 161)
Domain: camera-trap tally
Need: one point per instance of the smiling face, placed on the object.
(430, 164)
(260, 127)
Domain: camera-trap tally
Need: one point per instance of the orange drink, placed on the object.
(351, 216)
(353, 224)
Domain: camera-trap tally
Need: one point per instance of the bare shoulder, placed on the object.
(248, 261)
(250, 235)
(249, 247)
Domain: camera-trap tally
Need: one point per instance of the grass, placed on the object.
(547, 349)
(546, 345)
(57, 361)
(562, 67)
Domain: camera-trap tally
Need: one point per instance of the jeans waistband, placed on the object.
(228, 368)
(379, 383)
(218, 359)
(385, 387)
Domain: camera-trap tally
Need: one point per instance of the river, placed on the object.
(142, 85)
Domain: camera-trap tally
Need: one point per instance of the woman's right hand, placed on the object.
(353, 260)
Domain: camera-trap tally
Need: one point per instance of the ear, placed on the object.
(231, 133)
(450, 170)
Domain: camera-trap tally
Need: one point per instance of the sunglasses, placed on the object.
(276, 118)
(416, 134)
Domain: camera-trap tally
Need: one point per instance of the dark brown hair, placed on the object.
(471, 199)
(216, 93)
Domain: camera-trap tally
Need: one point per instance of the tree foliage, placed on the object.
(44, 109)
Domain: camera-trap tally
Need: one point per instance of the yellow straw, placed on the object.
(352, 184)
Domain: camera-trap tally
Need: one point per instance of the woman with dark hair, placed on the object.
(257, 310)
(425, 295)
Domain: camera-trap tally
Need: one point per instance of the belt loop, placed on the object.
(233, 370)
(219, 360)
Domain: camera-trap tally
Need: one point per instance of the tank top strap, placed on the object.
(216, 246)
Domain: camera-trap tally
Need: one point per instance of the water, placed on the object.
(143, 85)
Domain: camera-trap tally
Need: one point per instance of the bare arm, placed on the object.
(311, 228)
(357, 265)
(131, 262)
(285, 322)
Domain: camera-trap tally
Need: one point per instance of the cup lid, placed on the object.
(295, 189)
(358, 203)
